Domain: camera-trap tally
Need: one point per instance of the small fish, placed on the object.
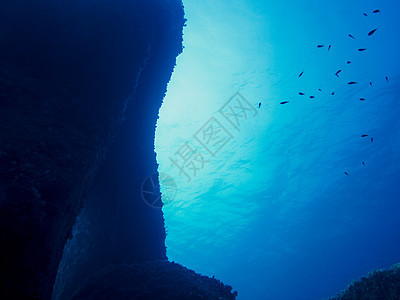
(333, 93)
(362, 99)
(337, 73)
(362, 49)
(364, 135)
(300, 93)
(348, 62)
(372, 32)
(329, 47)
(363, 163)
(370, 83)
(376, 11)
(320, 90)
(284, 102)
(365, 14)
(372, 140)
(351, 36)
(301, 74)
(346, 173)
(312, 97)
(352, 82)
(320, 46)
(259, 105)
(387, 79)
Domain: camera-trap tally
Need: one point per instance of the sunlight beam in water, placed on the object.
(265, 203)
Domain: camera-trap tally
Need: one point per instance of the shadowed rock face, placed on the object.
(152, 280)
(81, 83)
(380, 284)
(79, 79)
(117, 226)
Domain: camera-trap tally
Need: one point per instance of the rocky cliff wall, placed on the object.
(69, 78)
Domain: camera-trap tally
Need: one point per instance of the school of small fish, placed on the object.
(370, 33)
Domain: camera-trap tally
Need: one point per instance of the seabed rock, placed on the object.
(378, 285)
(152, 280)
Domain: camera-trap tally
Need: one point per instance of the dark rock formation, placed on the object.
(378, 285)
(152, 280)
(116, 225)
(80, 87)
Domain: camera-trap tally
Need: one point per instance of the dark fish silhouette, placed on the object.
(259, 105)
(337, 73)
(346, 173)
(348, 62)
(376, 11)
(387, 79)
(362, 49)
(352, 82)
(333, 93)
(362, 99)
(363, 163)
(312, 97)
(372, 140)
(370, 83)
(365, 15)
(320, 90)
(301, 74)
(284, 102)
(351, 36)
(300, 93)
(372, 32)
(320, 46)
(329, 47)
(364, 135)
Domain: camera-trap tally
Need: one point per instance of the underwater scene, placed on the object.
(278, 144)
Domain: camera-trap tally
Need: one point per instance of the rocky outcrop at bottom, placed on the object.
(379, 285)
(152, 280)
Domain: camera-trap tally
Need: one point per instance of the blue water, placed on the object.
(264, 204)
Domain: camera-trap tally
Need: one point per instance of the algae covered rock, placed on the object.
(152, 280)
(378, 285)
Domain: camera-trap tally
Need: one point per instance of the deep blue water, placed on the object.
(262, 199)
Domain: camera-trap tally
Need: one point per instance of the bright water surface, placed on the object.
(268, 207)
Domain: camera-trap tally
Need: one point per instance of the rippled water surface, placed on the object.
(284, 201)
